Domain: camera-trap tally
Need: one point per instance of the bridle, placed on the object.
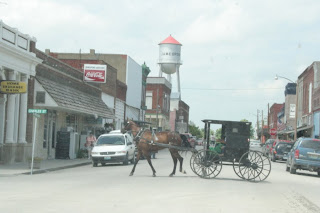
(139, 133)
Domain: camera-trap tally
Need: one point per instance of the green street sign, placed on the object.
(39, 111)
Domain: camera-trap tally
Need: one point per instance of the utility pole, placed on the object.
(262, 126)
(268, 116)
(258, 123)
(157, 108)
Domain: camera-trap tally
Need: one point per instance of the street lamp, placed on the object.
(277, 77)
(296, 110)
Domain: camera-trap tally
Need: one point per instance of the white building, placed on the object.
(17, 63)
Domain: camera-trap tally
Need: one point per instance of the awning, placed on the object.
(304, 128)
(292, 131)
(72, 99)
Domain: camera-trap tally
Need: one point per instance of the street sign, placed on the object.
(273, 131)
(13, 87)
(39, 111)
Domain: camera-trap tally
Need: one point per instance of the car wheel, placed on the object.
(287, 167)
(318, 174)
(133, 160)
(126, 160)
(103, 164)
(273, 158)
(292, 169)
(94, 164)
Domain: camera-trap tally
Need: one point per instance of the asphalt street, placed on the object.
(110, 189)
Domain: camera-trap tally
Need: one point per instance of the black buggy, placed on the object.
(247, 164)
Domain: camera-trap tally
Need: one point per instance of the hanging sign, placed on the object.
(13, 87)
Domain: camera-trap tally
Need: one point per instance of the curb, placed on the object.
(41, 171)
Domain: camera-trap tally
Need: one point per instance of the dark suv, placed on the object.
(280, 151)
(304, 155)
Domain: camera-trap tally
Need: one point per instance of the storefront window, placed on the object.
(71, 121)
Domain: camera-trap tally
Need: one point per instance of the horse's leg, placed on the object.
(135, 163)
(147, 155)
(174, 158)
(181, 162)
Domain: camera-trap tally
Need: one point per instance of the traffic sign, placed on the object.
(273, 131)
(13, 87)
(39, 111)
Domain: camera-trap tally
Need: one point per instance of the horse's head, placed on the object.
(130, 126)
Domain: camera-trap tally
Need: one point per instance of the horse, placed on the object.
(144, 141)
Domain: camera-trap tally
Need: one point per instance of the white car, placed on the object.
(255, 145)
(113, 148)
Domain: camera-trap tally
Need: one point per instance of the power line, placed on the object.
(235, 89)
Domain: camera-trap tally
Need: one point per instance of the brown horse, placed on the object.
(144, 142)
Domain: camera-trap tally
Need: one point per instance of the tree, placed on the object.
(195, 130)
(218, 133)
(211, 132)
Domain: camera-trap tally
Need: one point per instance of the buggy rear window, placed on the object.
(311, 144)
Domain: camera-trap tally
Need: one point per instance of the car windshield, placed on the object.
(111, 140)
(311, 144)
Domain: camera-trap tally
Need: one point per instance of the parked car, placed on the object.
(200, 141)
(255, 145)
(280, 151)
(266, 146)
(191, 140)
(271, 150)
(304, 155)
(113, 148)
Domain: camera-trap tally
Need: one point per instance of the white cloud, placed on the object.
(235, 44)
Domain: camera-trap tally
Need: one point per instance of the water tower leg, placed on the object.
(178, 79)
(169, 77)
(160, 72)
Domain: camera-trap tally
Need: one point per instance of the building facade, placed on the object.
(158, 92)
(305, 125)
(129, 72)
(74, 108)
(18, 62)
(179, 114)
(274, 122)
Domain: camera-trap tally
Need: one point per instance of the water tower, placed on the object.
(169, 59)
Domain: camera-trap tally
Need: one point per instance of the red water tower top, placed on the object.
(170, 40)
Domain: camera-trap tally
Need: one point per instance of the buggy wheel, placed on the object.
(206, 164)
(254, 166)
(236, 169)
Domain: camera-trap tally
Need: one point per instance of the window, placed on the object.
(149, 99)
(40, 97)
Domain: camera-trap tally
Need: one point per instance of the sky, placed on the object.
(231, 49)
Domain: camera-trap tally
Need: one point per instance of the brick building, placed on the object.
(73, 108)
(113, 90)
(274, 122)
(129, 73)
(306, 84)
(158, 92)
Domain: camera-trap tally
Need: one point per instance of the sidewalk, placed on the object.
(46, 166)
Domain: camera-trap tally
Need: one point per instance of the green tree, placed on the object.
(195, 130)
(211, 132)
(218, 133)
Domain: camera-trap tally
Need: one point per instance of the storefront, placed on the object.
(17, 63)
(74, 108)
